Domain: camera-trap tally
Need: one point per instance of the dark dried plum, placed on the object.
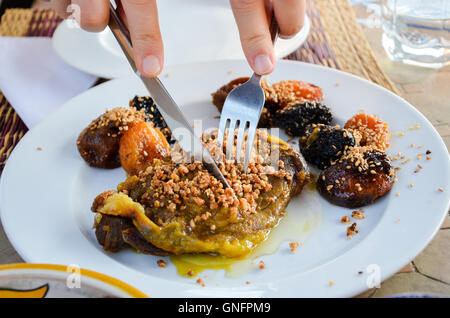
(324, 144)
(295, 118)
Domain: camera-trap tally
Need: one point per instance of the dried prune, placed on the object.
(295, 118)
(324, 144)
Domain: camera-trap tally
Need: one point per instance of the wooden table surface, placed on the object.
(428, 90)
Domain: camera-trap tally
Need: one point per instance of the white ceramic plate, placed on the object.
(192, 30)
(45, 196)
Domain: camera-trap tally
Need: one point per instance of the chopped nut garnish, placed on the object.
(248, 283)
(120, 117)
(397, 194)
(358, 215)
(294, 246)
(428, 157)
(411, 185)
(39, 148)
(345, 220)
(330, 283)
(176, 184)
(161, 263)
(190, 272)
(262, 265)
(201, 282)
(440, 189)
(352, 229)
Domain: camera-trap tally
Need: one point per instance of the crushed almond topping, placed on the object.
(201, 282)
(39, 148)
(351, 230)
(345, 220)
(120, 117)
(358, 215)
(293, 246)
(190, 273)
(440, 189)
(161, 263)
(175, 185)
(262, 265)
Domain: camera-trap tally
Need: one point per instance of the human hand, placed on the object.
(251, 18)
(141, 17)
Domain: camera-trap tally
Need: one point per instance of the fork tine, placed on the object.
(249, 144)
(230, 139)
(222, 127)
(241, 133)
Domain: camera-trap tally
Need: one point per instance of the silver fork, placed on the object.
(241, 111)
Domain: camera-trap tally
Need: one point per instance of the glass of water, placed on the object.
(417, 31)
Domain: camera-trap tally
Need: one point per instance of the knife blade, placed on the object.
(169, 109)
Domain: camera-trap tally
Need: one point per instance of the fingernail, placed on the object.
(263, 64)
(151, 66)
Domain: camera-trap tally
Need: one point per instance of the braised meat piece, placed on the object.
(357, 179)
(115, 233)
(181, 208)
(98, 143)
(323, 144)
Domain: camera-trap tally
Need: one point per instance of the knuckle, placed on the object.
(94, 21)
(243, 5)
(292, 29)
(256, 39)
(146, 38)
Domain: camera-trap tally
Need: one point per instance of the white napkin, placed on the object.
(34, 79)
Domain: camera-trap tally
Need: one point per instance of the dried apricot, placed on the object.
(291, 91)
(374, 131)
(140, 145)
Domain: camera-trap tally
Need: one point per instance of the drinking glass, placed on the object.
(417, 31)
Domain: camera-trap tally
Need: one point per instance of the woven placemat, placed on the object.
(336, 40)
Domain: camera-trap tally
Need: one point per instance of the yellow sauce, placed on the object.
(296, 226)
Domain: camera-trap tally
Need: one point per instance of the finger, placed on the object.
(253, 28)
(290, 16)
(94, 14)
(142, 17)
(60, 7)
